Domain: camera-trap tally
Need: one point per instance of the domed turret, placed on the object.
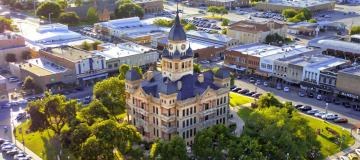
(177, 32)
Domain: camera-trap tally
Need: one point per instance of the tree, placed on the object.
(222, 11)
(92, 15)
(78, 3)
(29, 83)
(210, 143)
(55, 111)
(10, 57)
(224, 31)
(289, 13)
(122, 70)
(62, 3)
(111, 93)
(95, 45)
(307, 13)
(225, 22)
(189, 27)
(126, 10)
(69, 18)
(197, 68)
(355, 30)
(95, 149)
(86, 46)
(96, 111)
(282, 134)
(163, 22)
(245, 147)
(213, 10)
(7, 22)
(46, 9)
(174, 149)
(312, 20)
(137, 69)
(268, 100)
(26, 55)
(73, 137)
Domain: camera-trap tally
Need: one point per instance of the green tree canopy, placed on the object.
(29, 83)
(95, 111)
(62, 3)
(126, 10)
(7, 22)
(213, 10)
(210, 143)
(225, 22)
(289, 13)
(54, 110)
(111, 93)
(222, 10)
(92, 15)
(48, 8)
(175, 149)
(355, 30)
(69, 18)
(122, 70)
(268, 100)
(197, 68)
(189, 27)
(78, 3)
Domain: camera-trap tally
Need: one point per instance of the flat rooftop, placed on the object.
(8, 35)
(314, 59)
(338, 45)
(299, 3)
(42, 67)
(214, 37)
(69, 53)
(112, 51)
(264, 50)
(353, 70)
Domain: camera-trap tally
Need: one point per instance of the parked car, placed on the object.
(7, 148)
(301, 94)
(346, 104)
(252, 80)
(286, 89)
(319, 97)
(319, 114)
(243, 91)
(257, 95)
(278, 87)
(313, 111)
(329, 116)
(266, 84)
(3, 140)
(20, 116)
(337, 102)
(236, 89)
(310, 95)
(328, 99)
(340, 120)
(20, 155)
(7, 144)
(250, 93)
(12, 152)
(298, 106)
(305, 108)
(258, 82)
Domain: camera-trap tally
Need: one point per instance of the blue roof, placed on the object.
(177, 32)
(132, 75)
(189, 52)
(222, 73)
(190, 86)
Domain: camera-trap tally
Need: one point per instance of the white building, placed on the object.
(52, 35)
(127, 53)
(121, 27)
(273, 53)
(218, 39)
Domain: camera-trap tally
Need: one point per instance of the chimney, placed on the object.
(201, 78)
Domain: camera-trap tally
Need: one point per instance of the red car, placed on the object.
(340, 120)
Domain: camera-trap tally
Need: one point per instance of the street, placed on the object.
(292, 96)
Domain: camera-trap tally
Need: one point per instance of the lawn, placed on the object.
(238, 99)
(326, 139)
(40, 143)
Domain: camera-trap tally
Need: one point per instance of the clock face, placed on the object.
(183, 46)
(171, 47)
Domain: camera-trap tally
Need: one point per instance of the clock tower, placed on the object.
(177, 57)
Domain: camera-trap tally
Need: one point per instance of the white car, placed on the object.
(313, 111)
(319, 97)
(7, 148)
(7, 144)
(319, 114)
(266, 84)
(357, 151)
(329, 116)
(343, 158)
(286, 89)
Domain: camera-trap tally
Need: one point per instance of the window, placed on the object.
(206, 106)
(183, 124)
(183, 112)
(220, 111)
(187, 111)
(217, 112)
(190, 132)
(217, 102)
(153, 109)
(206, 117)
(187, 122)
(153, 120)
(177, 113)
(194, 120)
(191, 121)
(157, 111)
(154, 131)
(224, 110)
(183, 135)
(194, 131)
(187, 134)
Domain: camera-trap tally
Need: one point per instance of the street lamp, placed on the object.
(326, 107)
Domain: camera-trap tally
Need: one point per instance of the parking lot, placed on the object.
(293, 96)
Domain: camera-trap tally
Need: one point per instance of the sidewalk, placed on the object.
(347, 150)
(27, 151)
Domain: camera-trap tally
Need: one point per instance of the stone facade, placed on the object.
(11, 44)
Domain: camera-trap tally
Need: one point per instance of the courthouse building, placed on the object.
(177, 101)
